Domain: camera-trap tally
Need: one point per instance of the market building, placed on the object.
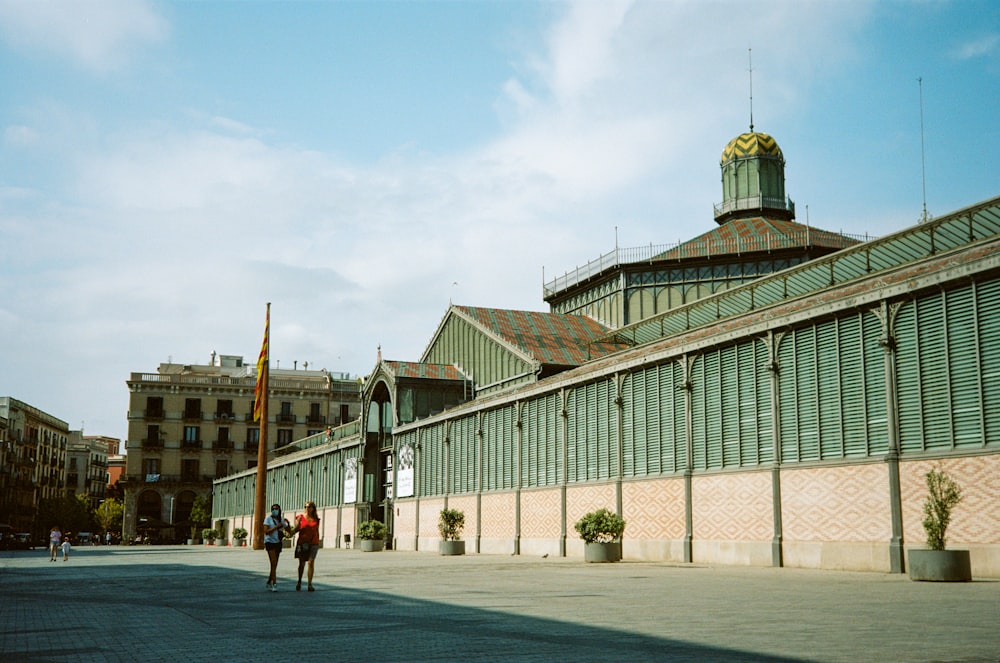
(767, 393)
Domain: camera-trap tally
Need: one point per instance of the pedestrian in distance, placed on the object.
(307, 527)
(275, 526)
(55, 540)
(65, 548)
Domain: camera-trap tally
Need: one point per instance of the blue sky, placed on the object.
(167, 168)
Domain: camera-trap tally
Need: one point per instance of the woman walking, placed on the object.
(307, 526)
(55, 540)
(274, 525)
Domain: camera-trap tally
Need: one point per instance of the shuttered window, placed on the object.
(541, 463)
(797, 394)
(462, 451)
(874, 387)
(592, 430)
(498, 449)
(988, 313)
(946, 366)
(653, 421)
(431, 462)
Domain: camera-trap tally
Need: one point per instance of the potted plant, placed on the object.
(601, 532)
(209, 535)
(451, 522)
(936, 563)
(371, 533)
(239, 537)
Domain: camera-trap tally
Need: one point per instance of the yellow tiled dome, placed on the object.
(751, 144)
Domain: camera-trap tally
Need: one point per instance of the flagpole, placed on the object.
(260, 412)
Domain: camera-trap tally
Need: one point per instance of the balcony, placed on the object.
(155, 413)
(224, 446)
(193, 415)
(191, 445)
(316, 419)
(283, 418)
(225, 416)
(151, 443)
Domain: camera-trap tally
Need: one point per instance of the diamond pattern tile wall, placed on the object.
(976, 519)
(836, 504)
(732, 507)
(654, 509)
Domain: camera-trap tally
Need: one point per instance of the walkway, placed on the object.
(209, 604)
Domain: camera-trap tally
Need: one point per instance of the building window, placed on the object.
(192, 408)
(154, 407)
(192, 436)
(189, 469)
(224, 410)
(284, 436)
(151, 468)
(315, 416)
(345, 413)
(285, 415)
(221, 468)
(152, 437)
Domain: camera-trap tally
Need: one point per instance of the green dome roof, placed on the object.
(750, 145)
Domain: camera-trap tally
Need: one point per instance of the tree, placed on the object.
(71, 514)
(201, 514)
(109, 515)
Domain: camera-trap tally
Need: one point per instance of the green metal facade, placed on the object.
(887, 350)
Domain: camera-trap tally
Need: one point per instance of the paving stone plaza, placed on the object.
(159, 603)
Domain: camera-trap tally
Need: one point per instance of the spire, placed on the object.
(750, 58)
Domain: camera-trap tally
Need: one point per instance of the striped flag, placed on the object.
(260, 392)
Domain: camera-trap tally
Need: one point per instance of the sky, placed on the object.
(168, 168)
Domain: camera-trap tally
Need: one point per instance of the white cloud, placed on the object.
(168, 241)
(98, 35)
(978, 48)
(19, 136)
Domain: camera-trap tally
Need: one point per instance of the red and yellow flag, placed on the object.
(260, 392)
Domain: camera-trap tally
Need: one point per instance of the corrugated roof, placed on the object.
(550, 338)
(412, 369)
(756, 234)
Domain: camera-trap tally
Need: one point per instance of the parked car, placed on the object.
(23, 541)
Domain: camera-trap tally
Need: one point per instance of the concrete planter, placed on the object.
(940, 565)
(451, 547)
(372, 545)
(602, 552)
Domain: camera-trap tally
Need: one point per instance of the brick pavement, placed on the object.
(201, 603)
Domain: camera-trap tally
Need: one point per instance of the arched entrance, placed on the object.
(377, 477)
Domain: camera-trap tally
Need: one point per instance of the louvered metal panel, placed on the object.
(540, 453)
(854, 403)
(963, 368)
(765, 415)
(935, 401)
(988, 310)
(798, 396)
(874, 387)
(432, 460)
(463, 458)
(829, 385)
(729, 407)
(908, 374)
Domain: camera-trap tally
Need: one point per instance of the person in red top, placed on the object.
(307, 526)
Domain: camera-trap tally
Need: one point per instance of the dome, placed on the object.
(750, 145)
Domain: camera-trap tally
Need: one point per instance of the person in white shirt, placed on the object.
(275, 526)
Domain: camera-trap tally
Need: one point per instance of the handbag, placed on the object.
(298, 551)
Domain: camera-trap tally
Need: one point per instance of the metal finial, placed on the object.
(750, 58)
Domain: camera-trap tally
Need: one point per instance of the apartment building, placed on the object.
(189, 424)
(87, 466)
(34, 463)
